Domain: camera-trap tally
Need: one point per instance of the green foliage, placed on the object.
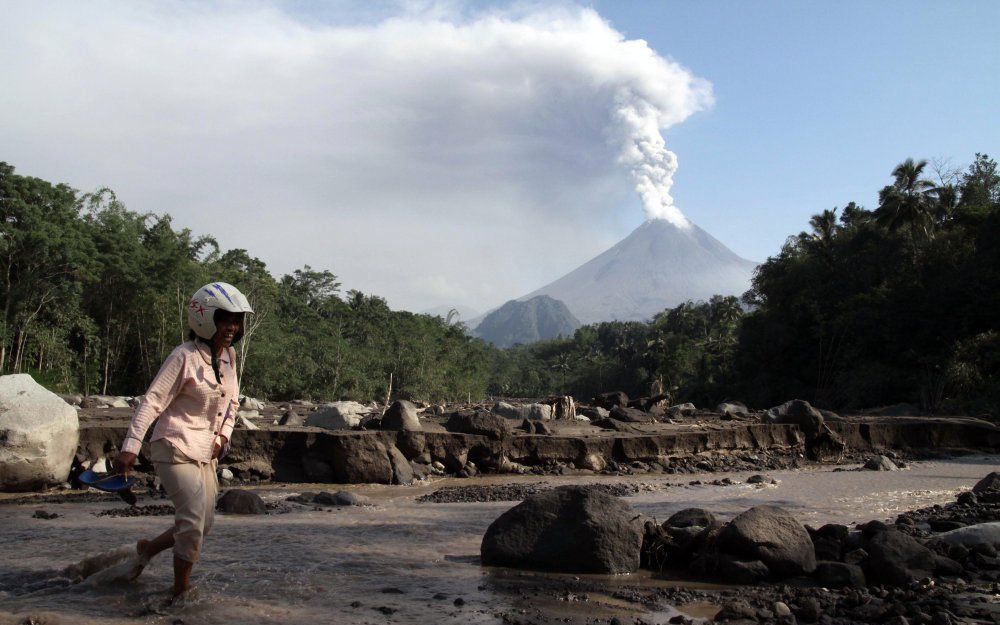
(94, 295)
(895, 305)
(867, 308)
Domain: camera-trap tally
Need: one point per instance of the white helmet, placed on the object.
(209, 298)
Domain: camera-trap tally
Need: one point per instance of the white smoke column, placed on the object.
(649, 161)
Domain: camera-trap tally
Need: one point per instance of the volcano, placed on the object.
(658, 266)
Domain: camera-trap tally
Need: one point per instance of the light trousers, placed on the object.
(192, 487)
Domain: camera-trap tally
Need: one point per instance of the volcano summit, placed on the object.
(658, 266)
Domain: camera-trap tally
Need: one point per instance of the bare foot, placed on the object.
(142, 548)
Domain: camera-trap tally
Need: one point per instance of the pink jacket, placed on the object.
(190, 404)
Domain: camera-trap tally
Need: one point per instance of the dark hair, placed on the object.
(211, 350)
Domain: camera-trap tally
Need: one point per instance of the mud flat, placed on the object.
(402, 560)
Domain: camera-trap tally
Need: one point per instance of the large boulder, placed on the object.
(610, 400)
(360, 460)
(478, 422)
(897, 559)
(241, 502)
(797, 412)
(402, 472)
(734, 408)
(630, 415)
(573, 529)
(987, 490)
(771, 535)
(401, 417)
(988, 533)
(528, 411)
(690, 517)
(339, 415)
(39, 433)
(880, 463)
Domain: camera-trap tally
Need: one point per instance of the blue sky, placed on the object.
(815, 103)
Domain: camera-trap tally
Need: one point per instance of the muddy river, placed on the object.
(403, 561)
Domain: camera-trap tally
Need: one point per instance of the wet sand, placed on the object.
(402, 561)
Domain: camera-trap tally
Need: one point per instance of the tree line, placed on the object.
(867, 307)
(94, 299)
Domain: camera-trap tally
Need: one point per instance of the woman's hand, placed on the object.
(219, 445)
(124, 462)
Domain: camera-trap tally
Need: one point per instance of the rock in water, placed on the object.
(339, 415)
(987, 490)
(881, 463)
(241, 502)
(773, 536)
(690, 517)
(38, 435)
(401, 417)
(572, 529)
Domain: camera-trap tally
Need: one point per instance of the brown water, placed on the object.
(310, 566)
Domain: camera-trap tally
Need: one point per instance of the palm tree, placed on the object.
(906, 203)
(824, 226)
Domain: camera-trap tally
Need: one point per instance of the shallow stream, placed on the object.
(387, 563)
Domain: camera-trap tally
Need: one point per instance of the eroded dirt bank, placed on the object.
(305, 454)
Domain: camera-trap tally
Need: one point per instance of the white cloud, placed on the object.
(431, 157)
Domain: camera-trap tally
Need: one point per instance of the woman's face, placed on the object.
(227, 325)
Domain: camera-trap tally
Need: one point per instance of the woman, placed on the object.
(195, 396)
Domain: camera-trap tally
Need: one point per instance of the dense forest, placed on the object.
(867, 307)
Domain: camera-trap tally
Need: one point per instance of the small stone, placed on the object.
(781, 609)
(226, 474)
(459, 602)
(809, 611)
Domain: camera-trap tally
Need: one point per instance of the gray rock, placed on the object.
(528, 411)
(988, 533)
(738, 571)
(241, 502)
(610, 400)
(360, 460)
(771, 535)
(341, 498)
(249, 403)
(897, 559)
(226, 474)
(401, 417)
(682, 410)
(733, 408)
(987, 490)
(630, 415)
(339, 415)
(837, 575)
(572, 529)
(478, 422)
(690, 517)
(880, 463)
(760, 479)
(39, 433)
(292, 419)
(797, 412)
(402, 473)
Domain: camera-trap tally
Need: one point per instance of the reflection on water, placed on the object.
(399, 561)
